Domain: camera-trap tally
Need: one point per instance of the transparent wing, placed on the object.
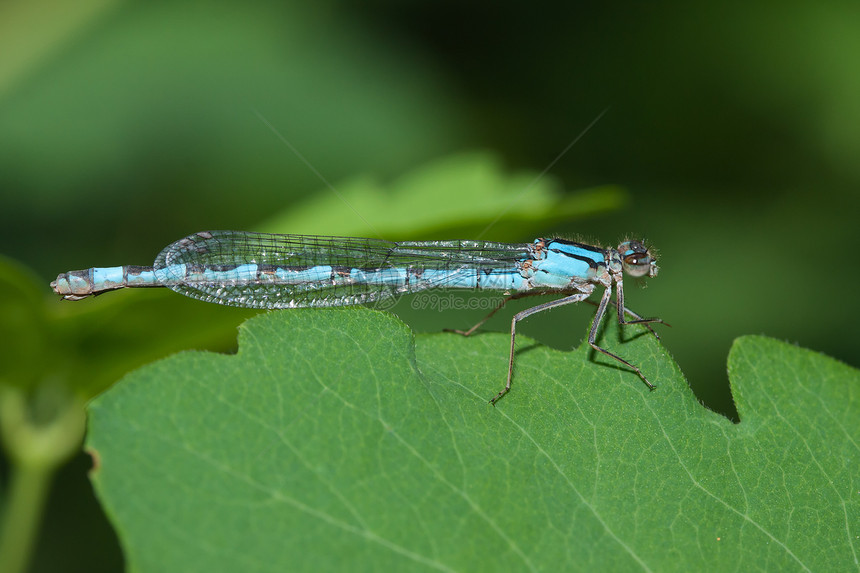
(261, 270)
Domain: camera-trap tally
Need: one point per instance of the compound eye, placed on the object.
(637, 264)
(637, 259)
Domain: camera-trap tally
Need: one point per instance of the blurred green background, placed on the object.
(730, 142)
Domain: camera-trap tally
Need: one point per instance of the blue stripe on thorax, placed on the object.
(564, 262)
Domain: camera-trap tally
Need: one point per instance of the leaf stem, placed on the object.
(37, 446)
(27, 494)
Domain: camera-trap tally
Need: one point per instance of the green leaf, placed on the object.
(334, 440)
(458, 195)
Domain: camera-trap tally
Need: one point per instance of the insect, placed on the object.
(269, 271)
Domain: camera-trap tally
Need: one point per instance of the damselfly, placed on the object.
(257, 270)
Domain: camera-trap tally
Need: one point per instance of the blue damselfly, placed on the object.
(267, 271)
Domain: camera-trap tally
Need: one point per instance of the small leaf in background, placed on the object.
(458, 196)
(334, 440)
